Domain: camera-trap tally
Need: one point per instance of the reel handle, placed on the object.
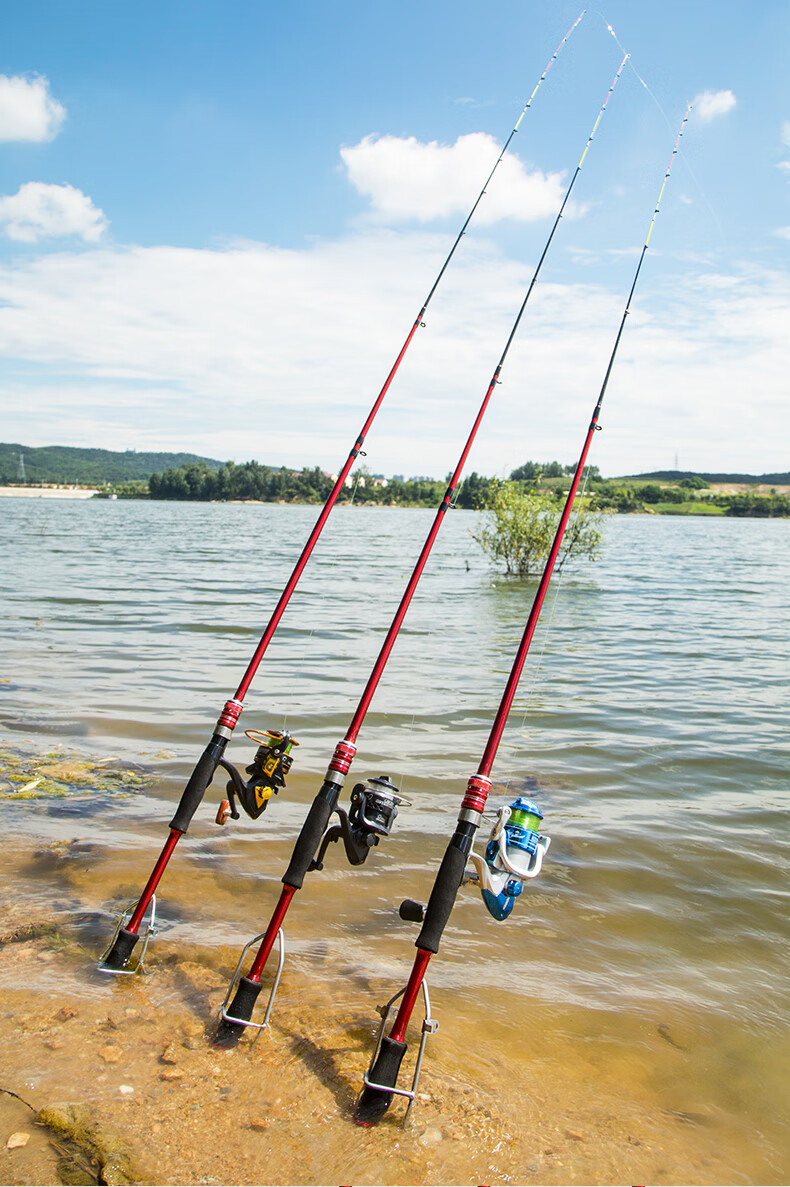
(411, 911)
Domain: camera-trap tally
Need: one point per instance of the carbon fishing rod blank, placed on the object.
(374, 807)
(381, 1083)
(303, 858)
(212, 756)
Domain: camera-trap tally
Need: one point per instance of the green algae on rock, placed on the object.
(91, 1153)
(60, 775)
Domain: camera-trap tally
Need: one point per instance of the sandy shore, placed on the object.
(48, 492)
(158, 1103)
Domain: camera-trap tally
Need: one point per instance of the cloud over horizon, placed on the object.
(408, 180)
(261, 351)
(27, 110)
(41, 211)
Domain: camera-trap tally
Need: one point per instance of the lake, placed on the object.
(649, 958)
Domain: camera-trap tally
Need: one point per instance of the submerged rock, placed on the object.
(106, 1158)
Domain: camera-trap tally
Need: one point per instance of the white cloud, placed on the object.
(783, 232)
(261, 352)
(785, 133)
(27, 110)
(710, 104)
(406, 179)
(38, 211)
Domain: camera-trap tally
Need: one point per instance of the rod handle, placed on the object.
(374, 1102)
(244, 999)
(443, 895)
(118, 956)
(311, 833)
(199, 781)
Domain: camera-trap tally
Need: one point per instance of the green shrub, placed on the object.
(519, 527)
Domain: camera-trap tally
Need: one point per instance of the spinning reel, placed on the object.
(374, 806)
(514, 852)
(267, 773)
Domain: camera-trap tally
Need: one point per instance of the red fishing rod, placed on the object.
(515, 849)
(273, 757)
(374, 805)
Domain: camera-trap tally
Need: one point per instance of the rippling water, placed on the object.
(650, 726)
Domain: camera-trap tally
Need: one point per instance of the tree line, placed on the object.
(267, 484)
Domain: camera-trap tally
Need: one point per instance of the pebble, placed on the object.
(54, 1044)
(65, 1013)
(169, 1054)
(575, 1135)
(16, 1140)
(259, 1123)
(111, 1053)
(171, 1073)
(125, 1089)
(431, 1137)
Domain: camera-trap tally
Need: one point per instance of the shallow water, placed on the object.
(649, 959)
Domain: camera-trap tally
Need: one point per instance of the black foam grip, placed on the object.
(309, 838)
(442, 899)
(411, 912)
(244, 999)
(199, 780)
(374, 1102)
(118, 956)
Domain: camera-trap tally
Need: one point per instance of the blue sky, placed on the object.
(218, 221)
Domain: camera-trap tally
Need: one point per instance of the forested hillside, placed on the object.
(88, 467)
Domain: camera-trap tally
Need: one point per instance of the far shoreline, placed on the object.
(67, 492)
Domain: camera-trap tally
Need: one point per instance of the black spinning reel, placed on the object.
(266, 772)
(374, 806)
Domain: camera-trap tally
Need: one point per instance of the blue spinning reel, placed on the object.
(515, 851)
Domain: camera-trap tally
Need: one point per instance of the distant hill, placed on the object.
(750, 479)
(90, 467)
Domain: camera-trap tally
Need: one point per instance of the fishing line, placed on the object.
(635, 71)
(513, 749)
(670, 126)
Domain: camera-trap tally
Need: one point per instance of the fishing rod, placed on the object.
(515, 848)
(374, 804)
(273, 757)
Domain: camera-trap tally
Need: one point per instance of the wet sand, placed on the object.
(136, 1051)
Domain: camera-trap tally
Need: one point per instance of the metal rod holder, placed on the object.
(150, 932)
(259, 1026)
(429, 1026)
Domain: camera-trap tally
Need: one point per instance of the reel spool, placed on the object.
(514, 852)
(374, 806)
